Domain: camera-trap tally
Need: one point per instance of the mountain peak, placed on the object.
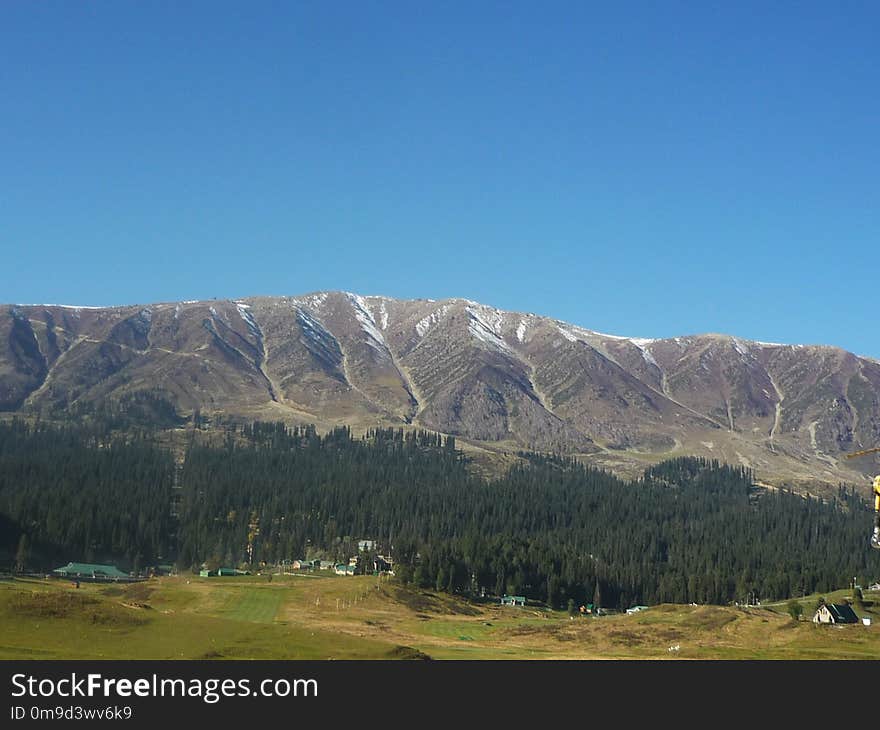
(498, 379)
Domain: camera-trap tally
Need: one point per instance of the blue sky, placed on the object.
(645, 169)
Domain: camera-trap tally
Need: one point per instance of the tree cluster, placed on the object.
(551, 528)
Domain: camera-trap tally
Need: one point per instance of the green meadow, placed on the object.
(316, 616)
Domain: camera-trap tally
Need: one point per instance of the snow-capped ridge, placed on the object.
(376, 313)
(66, 306)
(573, 333)
(566, 333)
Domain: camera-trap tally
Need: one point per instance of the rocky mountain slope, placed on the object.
(498, 380)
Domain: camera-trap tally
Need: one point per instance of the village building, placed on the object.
(91, 571)
(513, 600)
(205, 573)
(835, 613)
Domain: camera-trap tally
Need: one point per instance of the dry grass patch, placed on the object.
(54, 605)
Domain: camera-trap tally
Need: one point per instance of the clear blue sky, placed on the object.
(646, 169)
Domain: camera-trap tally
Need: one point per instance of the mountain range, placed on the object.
(499, 381)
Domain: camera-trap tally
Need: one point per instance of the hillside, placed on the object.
(306, 617)
(551, 528)
(498, 380)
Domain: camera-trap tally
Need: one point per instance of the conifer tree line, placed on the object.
(84, 495)
(551, 529)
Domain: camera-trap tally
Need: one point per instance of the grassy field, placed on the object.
(332, 617)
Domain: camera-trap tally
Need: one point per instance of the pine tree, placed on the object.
(551, 591)
(22, 555)
(858, 600)
(440, 583)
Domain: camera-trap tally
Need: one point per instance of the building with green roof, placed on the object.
(205, 573)
(90, 571)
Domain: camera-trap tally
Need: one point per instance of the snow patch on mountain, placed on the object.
(244, 312)
(566, 333)
(485, 325)
(606, 335)
(313, 301)
(312, 328)
(644, 346)
(741, 347)
(521, 329)
(491, 319)
(425, 323)
(573, 333)
(378, 307)
(375, 339)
